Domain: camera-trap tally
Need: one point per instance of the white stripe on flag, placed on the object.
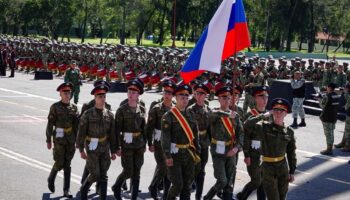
(215, 41)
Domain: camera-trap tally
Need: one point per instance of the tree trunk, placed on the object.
(101, 30)
(341, 44)
(267, 34)
(122, 35)
(161, 31)
(311, 41)
(289, 24)
(84, 23)
(327, 43)
(301, 42)
(142, 29)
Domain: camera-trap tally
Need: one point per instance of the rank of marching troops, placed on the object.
(181, 136)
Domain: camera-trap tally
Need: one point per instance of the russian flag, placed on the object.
(226, 34)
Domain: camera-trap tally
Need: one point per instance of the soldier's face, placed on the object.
(182, 99)
(200, 97)
(133, 95)
(224, 100)
(278, 114)
(65, 96)
(100, 99)
(167, 95)
(261, 101)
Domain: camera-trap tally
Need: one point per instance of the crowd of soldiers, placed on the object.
(180, 133)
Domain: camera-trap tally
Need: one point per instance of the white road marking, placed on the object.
(32, 95)
(338, 181)
(338, 160)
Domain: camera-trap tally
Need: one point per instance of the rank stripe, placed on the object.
(184, 124)
(229, 127)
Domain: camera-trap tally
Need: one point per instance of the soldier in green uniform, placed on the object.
(201, 112)
(329, 104)
(226, 140)
(255, 79)
(327, 75)
(277, 141)
(340, 77)
(87, 106)
(73, 75)
(62, 126)
(237, 92)
(345, 142)
(131, 144)
(251, 147)
(180, 144)
(97, 136)
(154, 134)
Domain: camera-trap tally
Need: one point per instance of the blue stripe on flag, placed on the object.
(193, 61)
(237, 14)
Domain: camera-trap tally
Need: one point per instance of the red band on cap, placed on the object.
(133, 87)
(237, 91)
(99, 91)
(182, 91)
(260, 93)
(280, 106)
(65, 88)
(201, 90)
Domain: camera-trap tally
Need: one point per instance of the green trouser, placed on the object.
(98, 164)
(75, 93)
(160, 171)
(63, 155)
(275, 180)
(132, 161)
(347, 128)
(329, 132)
(223, 170)
(200, 172)
(181, 175)
(255, 173)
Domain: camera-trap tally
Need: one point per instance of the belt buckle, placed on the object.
(275, 159)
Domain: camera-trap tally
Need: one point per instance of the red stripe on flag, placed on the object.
(236, 39)
(188, 76)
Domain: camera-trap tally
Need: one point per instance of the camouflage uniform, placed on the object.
(130, 122)
(276, 142)
(181, 174)
(257, 80)
(224, 166)
(154, 133)
(73, 76)
(252, 150)
(96, 127)
(201, 114)
(64, 117)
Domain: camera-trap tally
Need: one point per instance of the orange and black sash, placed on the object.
(229, 127)
(184, 124)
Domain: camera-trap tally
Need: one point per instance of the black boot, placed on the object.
(154, 186)
(135, 188)
(199, 183)
(125, 186)
(103, 190)
(244, 194)
(117, 188)
(210, 194)
(51, 180)
(302, 123)
(341, 144)
(227, 196)
(84, 190)
(295, 123)
(167, 184)
(260, 193)
(66, 182)
(85, 174)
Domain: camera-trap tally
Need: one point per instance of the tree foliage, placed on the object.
(273, 24)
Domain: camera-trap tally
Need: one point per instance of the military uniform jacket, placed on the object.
(96, 123)
(201, 114)
(329, 104)
(73, 76)
(172, 132)
(128, 120)
(276, 140)
(154, 123)
(91, 104)
(63, 116)
(252, 141)
(219, 132)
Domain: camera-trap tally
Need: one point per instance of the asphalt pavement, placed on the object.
(25, 162)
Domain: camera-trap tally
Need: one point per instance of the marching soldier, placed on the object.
(131, 144)
(251, 147)
(226, 140)
(62, 127)
(87, 106)
(96, 135)
(180, 145)
(154, 134)
(329, 104)
(73, 75)
(201, 112)
(277, 143)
